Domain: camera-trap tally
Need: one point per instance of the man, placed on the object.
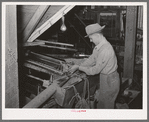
(103, 62)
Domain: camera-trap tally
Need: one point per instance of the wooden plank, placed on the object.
(44, 66)
(42, 97)
(33, 22)
(11, 58)
(28, 44)
(49, 13)
(98, 18)
(118, 29)
(60, 48)
(24, 15)
(37, 68)
(80, 20)
(52, 42)
(50, 22)
(130, 38)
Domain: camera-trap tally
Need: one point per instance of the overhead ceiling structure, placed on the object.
(39, 19)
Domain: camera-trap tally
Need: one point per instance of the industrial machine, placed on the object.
(43, 70)
(44, 63)
(45, 57)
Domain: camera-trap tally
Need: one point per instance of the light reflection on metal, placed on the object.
(63, 27)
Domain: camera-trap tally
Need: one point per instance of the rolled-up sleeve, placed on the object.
(89, 62)
(101, 61)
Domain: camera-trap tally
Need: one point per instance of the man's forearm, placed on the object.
(82, 68)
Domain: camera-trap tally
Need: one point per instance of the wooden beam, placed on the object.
(34, 21)
(52, 42)
(118, 29)
(130, 38)
(60, 48)
(50, 22)
(53, 89)
(42, 97)
(98, 18)
(11, 56)
(27, 44)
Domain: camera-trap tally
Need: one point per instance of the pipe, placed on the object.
(47, 93)
(42, 97)
(61, 48)
(45, 61)
(56, 43)
(80, 20)
(36, 78)
(80, 35)
(44, 57)
(37, 68)
(44, 66)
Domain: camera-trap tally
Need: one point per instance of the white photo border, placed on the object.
(69, 114)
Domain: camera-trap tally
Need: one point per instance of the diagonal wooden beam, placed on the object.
(33, 22)
(50, 22)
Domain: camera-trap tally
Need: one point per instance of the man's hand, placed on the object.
(74, 68)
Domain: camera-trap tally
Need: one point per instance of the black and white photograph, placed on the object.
(74, 60)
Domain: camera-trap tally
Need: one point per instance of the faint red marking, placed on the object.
(78, 110)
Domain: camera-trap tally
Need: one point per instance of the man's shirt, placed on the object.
(103, 60)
